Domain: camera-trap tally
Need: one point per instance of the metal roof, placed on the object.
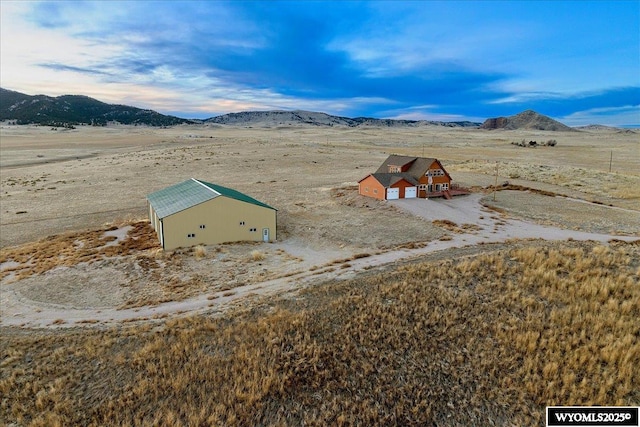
(235, 194)
(184, 195)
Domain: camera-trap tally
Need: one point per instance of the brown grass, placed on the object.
(455, 228)
(256, 255)
(514, 187)
(200, 252)
(74, 248)
(485, 340)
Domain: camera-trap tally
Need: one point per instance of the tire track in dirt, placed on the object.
(491, 228)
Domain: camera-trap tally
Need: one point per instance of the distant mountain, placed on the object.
(529, 120)
(598, 128)
(70, 110)
(277, 118)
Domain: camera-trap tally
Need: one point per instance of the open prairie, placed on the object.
(363, 312)
(62, 180)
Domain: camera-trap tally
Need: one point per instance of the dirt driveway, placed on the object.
(469, 223)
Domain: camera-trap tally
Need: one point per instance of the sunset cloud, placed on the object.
(465, 60)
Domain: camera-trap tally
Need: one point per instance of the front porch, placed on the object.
(454, 190)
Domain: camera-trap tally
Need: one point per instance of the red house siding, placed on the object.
(402, 184)
(436, 179)
(370, 187)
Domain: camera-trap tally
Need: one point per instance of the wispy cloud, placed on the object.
(82, 70)
(625, 116)
(467, 59)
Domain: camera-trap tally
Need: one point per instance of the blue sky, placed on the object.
(576, 61)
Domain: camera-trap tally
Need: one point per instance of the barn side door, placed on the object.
(265, 234)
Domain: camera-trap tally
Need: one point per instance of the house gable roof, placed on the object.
(192, 192)
(418, 165)
(388, 179)
(395, 160)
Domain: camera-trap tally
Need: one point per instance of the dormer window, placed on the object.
(394, 169)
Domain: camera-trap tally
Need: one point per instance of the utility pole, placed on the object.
(495, 185)
(610, 160)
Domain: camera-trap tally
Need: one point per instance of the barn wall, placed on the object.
(155, 222)
(370, 187)
(222, 218)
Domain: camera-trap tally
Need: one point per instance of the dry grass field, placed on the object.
(483, 340)
(54, 181)
(480, 335)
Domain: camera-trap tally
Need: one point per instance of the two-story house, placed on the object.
(408, 177)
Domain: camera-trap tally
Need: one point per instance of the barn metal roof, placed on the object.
(192, 192)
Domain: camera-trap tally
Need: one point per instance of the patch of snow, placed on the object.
(119, 233)
(8, 264)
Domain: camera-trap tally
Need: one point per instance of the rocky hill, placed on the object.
(529, 120)
(69, 110)
(310, 118)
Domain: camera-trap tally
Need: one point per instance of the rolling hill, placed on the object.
(68, 110)
(300, 117)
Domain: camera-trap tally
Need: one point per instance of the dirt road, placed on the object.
(469, 223)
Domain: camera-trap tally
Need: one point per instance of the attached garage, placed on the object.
(393, 193)
(385, 186)
(198, 212)
(411, 192)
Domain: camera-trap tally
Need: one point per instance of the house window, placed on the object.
(394, 169)
(202, 226)
(191, 235)
(437, 187)
(445, 187)
(366, 189)
(375, 191)
(241, 223)
(422, 187)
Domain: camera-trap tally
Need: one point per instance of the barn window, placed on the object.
(241, 222)
(202, 226)
(191, 235)
(253, 229)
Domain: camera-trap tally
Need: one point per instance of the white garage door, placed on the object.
(393, 193)
(411, 192)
